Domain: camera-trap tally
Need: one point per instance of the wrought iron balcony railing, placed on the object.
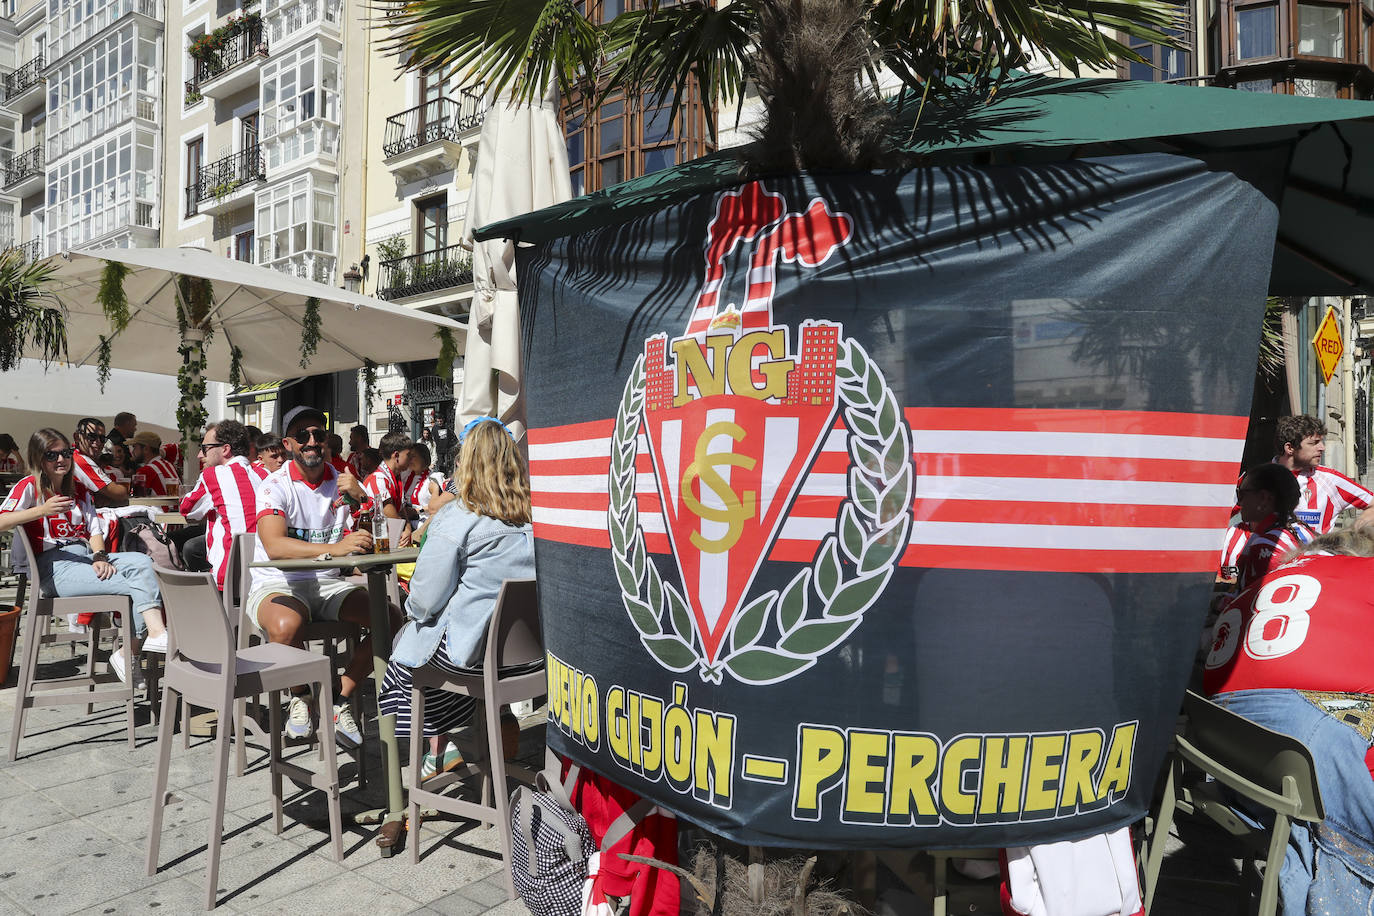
(224, 176)
(247, 44)
(437, 119)
(20, 80)
(426, 272)
(32, 250)
(24, 165)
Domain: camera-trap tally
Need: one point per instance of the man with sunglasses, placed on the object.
(225, 495)
(89, 440)
(301, 515)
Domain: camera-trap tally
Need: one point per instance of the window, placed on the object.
(627, 140)
(111, 184)
(299, 103)
(1321, 30)
(1257, 31)
(195, 159)
(243, 246)
(1317, 89)
(294, 227)
(431, 224)
(1255, 86)
(248, 131)
(1164, 63)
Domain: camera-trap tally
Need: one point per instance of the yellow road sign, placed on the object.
(1328, 344)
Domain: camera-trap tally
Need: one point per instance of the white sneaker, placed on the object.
(156, 643)
(299, 722)
(119, 664)
(346, 731)
(74, 624)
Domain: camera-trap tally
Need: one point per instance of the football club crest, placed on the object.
(733, 415)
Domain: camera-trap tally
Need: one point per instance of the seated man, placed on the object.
(384, 484)
(271, 455)
(1292, 653)
(336, 454)
(302, 514)
(225, 496)
(155, 474)
(89, 440)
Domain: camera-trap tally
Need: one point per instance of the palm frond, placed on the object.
(31, 318)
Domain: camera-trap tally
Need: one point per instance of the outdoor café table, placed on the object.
(170, 519)
(377, 566)
(155, 501)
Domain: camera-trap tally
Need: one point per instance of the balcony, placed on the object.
(24, 87)
(32, 250)
(424, 273)
(227, 183)
(23, 173)
(233, 67)
(429, 138)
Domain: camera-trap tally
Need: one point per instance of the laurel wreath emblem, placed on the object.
(850, 570)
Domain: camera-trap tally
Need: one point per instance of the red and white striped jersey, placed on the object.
(1324, 494)
(52, 531)
(9, 463)
(310, 515)
(1248, 553)
(421, 495)
(353, 463)
(226, 497)
(88, 474)
(159, 477)
(383, 487)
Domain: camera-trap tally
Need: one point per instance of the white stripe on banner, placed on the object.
(971, 534)
(982, 442)
(933, 487)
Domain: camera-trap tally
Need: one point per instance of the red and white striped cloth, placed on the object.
(226, 497)
(1247, 554)
(383, 487)
(52, 531)
(89, 474)
(1324, 494)
(159, 477)
(1007, 489)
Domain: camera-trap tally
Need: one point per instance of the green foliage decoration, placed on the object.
(310, 330)
(448, 352)
(102, 370)
(369, 384)
(235, 367)
(111, 296)
(29, 315)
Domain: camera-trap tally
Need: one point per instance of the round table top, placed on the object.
(359, 561)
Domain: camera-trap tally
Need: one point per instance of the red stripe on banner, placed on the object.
(573, 432)
(1146, 423)
(586, 537)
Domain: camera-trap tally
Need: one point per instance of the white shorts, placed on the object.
(321, 597)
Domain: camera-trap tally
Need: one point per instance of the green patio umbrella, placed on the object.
(1326, 225)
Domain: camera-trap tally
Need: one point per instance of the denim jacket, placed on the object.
(457, 577)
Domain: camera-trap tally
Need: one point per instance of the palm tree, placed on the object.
(29, 316)
(815, 63)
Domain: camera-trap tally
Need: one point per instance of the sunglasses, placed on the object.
(205, 446)
(65, 454)
(1241, 491)
(312, 434)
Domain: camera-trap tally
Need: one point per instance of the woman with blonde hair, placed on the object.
(471, 546)
(68, 541)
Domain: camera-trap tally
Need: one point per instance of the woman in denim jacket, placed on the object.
(470, 548)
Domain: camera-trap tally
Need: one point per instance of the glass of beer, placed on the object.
(381, 540)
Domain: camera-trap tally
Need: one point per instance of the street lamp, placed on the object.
(353, 281)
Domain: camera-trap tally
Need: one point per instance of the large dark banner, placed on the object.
(881, 510)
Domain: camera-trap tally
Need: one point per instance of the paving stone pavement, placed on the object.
(76, 805)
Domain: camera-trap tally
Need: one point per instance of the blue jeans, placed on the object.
(1329, 867)
(67, 572)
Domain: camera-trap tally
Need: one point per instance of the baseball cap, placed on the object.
(310, 413)
(147, 437)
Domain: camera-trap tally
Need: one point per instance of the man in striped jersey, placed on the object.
(89, 439)
(1299, 443)
(357, 441)
(225, 496)
(155, 473)
(384, 484)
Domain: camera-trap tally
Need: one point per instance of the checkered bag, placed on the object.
(550, 844)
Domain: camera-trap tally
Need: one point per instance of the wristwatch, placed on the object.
(100, 556)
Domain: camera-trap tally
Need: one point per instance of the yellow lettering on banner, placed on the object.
(914, 759)
(863, 775)
(774, 370)
(652, 709)
(1004, 766)
(677, 733)
(1042, 774)
(715, 756)
(952, 794)
(819, 762)
(575, 702)
(617, 726)
(690, 358)
(1116, 775)
(591, 725)
(636, 728)
(551, 666)
(1085, 749)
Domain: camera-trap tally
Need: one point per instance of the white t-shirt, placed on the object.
(310, 515)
